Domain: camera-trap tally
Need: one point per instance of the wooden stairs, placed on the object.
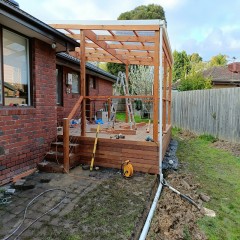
(53, 160)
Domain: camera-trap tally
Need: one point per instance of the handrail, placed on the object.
(66, 134)
(66, 145)
(75, 108)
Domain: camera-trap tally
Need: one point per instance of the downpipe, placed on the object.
(160, 134)
(151, 212)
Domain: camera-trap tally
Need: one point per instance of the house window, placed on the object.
(59, 81)
(15, 76)
(92, 82)
(75, 83)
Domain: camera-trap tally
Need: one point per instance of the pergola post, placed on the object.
(156, 87)
(127, 74)
(164, 115)
(66, 145)
(83, 82)
(170, 95)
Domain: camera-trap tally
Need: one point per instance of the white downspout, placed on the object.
(156, 198)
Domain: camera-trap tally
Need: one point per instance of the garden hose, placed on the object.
(127, 169)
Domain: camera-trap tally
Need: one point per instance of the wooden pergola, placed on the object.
(131, 42)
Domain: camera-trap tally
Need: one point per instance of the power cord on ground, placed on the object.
(25, 212)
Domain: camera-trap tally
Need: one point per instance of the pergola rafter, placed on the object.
(117, 41)
(137, 42)
(129, 42)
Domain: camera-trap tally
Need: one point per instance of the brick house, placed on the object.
(224, 76)
(98, 82)
(32, 99)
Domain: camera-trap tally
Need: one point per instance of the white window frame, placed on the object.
(2, 29)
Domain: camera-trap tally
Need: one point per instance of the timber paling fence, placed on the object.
(215, 112)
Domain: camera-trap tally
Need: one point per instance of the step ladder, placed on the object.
(121, 82)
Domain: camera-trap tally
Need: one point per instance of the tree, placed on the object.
(151, 11)
(195, 58)
(114, 68)
(197, 63)
(103, 66)
(195, 81)
(181, 65)
(218, 60)
(141, 81)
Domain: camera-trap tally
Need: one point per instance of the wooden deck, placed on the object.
(112, 152)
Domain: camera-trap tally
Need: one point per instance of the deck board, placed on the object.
(110, 152)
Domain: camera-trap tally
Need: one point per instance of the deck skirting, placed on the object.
(113, 152)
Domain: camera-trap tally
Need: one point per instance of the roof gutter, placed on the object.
(90, 67)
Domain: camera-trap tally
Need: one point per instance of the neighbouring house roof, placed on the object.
(15, 18)
(222, 75)
(234, 67)
(90, 68)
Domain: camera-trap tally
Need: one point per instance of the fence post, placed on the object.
(66, 144)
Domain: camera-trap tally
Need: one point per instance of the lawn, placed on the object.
(218, 172)
(121, 117)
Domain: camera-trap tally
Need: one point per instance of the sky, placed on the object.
(207, 27)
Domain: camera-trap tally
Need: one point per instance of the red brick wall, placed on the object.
(26, 133)
(103, 87)
(69, 100)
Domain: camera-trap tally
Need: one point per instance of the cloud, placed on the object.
(206, 27)
(166, 4)
(217, 41)
(74, 9)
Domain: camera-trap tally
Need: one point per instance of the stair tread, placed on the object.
(47, 166)
(61, 144)
(59, 153)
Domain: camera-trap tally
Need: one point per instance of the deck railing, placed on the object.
(90, 114)
(66, 124)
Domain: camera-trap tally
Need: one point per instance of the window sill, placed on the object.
(6, 111)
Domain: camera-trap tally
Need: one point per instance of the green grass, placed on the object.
(121, 117)
(110, 211)
(208, 138)
(218, 172)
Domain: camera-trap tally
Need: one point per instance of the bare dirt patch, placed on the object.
(176, 218)
(234, 148)
(186, 135)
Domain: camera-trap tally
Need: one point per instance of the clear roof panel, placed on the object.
(145, 33)
(102, 32)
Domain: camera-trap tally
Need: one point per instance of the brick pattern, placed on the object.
(103, 87)
(69, 100)
(26, 133)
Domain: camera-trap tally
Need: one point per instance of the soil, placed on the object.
(174, 217)
(234, 148)
(186, 135)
